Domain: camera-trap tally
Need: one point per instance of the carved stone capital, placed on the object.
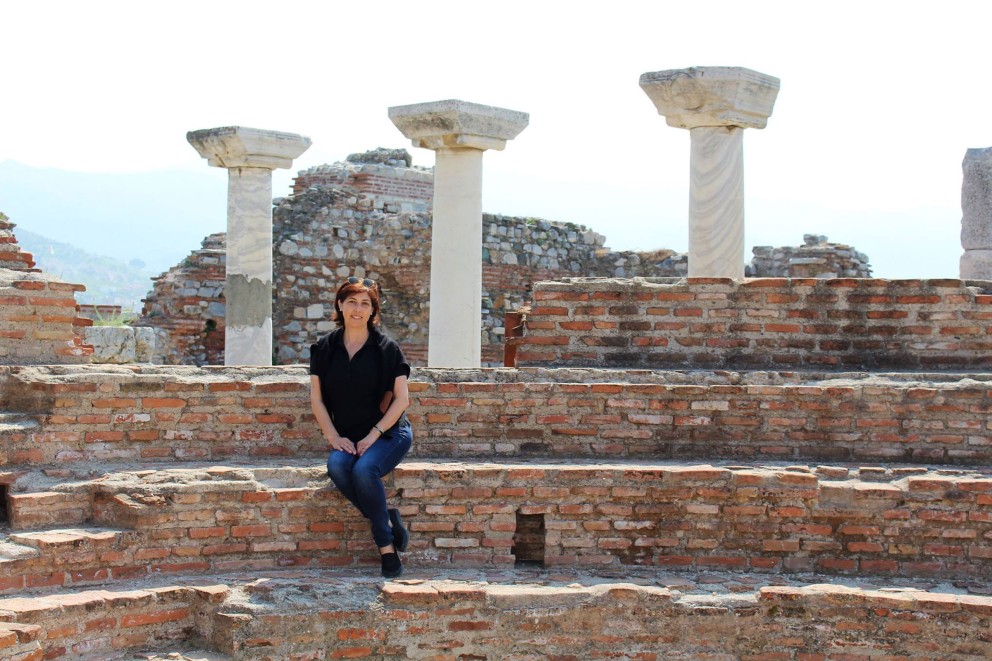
(712, 96)
(241, 147)
(457, 124)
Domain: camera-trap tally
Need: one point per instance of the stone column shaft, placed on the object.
(249, 155)
(716, 202)
(248, 286)
(976, 215)
(715, 104)
(456, 271)
(459, 133)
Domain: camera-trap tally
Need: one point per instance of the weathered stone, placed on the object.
(716, 104)
(250, 155)
(124, 344)
(459, 132)
(976, 200)
(976, 265)
(976, 219)
(712, 96)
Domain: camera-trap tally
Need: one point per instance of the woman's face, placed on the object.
(356, 310)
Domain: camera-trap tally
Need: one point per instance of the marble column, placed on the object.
(716, 104)
(458, 132)
(249, 155)
(976, 218)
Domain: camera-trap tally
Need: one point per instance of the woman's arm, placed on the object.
(398, 404)
(324, 419)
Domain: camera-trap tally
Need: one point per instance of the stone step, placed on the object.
(508, 615)
(152, 413)
(105, 624)
(17, 423)
(19, 642)
(68, 539)
(42, 509)
(13, 550)
(40, 560)
(911, 520)
(16, 441)
(179, 655)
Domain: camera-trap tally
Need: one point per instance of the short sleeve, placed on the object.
(400, 367)
(318, 359)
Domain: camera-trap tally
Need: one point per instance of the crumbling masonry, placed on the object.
(369, 216)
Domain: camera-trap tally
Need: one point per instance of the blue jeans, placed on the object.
(360, 478)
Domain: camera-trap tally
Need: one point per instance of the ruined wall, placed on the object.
(386, 176)
(816, 258)
(323, 236)
(11, 255)
(167, 414)
(188, 303)
(370, 217)
(38, 312)
(760, 323)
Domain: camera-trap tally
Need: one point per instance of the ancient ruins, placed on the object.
(370, 215)
(714, 467)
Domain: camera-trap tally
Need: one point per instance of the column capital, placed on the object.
(242, 147)
(458, 124)
(712, 96)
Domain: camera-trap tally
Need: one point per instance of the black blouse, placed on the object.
(352, 389)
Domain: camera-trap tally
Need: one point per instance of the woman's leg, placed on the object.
(366, 478)
(340, 466)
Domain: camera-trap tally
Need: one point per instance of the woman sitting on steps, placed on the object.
(358, 393)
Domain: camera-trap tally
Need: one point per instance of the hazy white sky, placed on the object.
(879, 102)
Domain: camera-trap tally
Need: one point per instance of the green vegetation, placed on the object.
(123, 319)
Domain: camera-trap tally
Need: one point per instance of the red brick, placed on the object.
(162, 402)
(145, 619)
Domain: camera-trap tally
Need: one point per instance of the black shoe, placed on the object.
(400, 535)
(391, 565)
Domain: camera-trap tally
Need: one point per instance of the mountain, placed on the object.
(108, 281)
(154, 217)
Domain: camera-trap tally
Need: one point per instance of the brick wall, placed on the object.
(816, 258)
(911, 523)
(384, 176)
(96, 624)
(38, 322)
(563, 622)
(11, 255)
(370, 217)
(768, 323)
(164, 414)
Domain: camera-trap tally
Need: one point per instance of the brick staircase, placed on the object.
(556, 512)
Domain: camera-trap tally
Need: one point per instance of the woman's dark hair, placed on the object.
(350, 288)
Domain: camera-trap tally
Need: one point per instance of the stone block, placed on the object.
(124, 344)
(976, 201)
(976, 264)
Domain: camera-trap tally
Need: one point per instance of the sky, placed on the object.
(878, 103)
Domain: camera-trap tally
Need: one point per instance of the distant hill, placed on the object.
(108, 281)
(155, 217)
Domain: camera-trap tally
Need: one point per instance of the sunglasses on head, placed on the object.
(369, 284)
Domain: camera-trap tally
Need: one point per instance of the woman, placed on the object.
(358, 393)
